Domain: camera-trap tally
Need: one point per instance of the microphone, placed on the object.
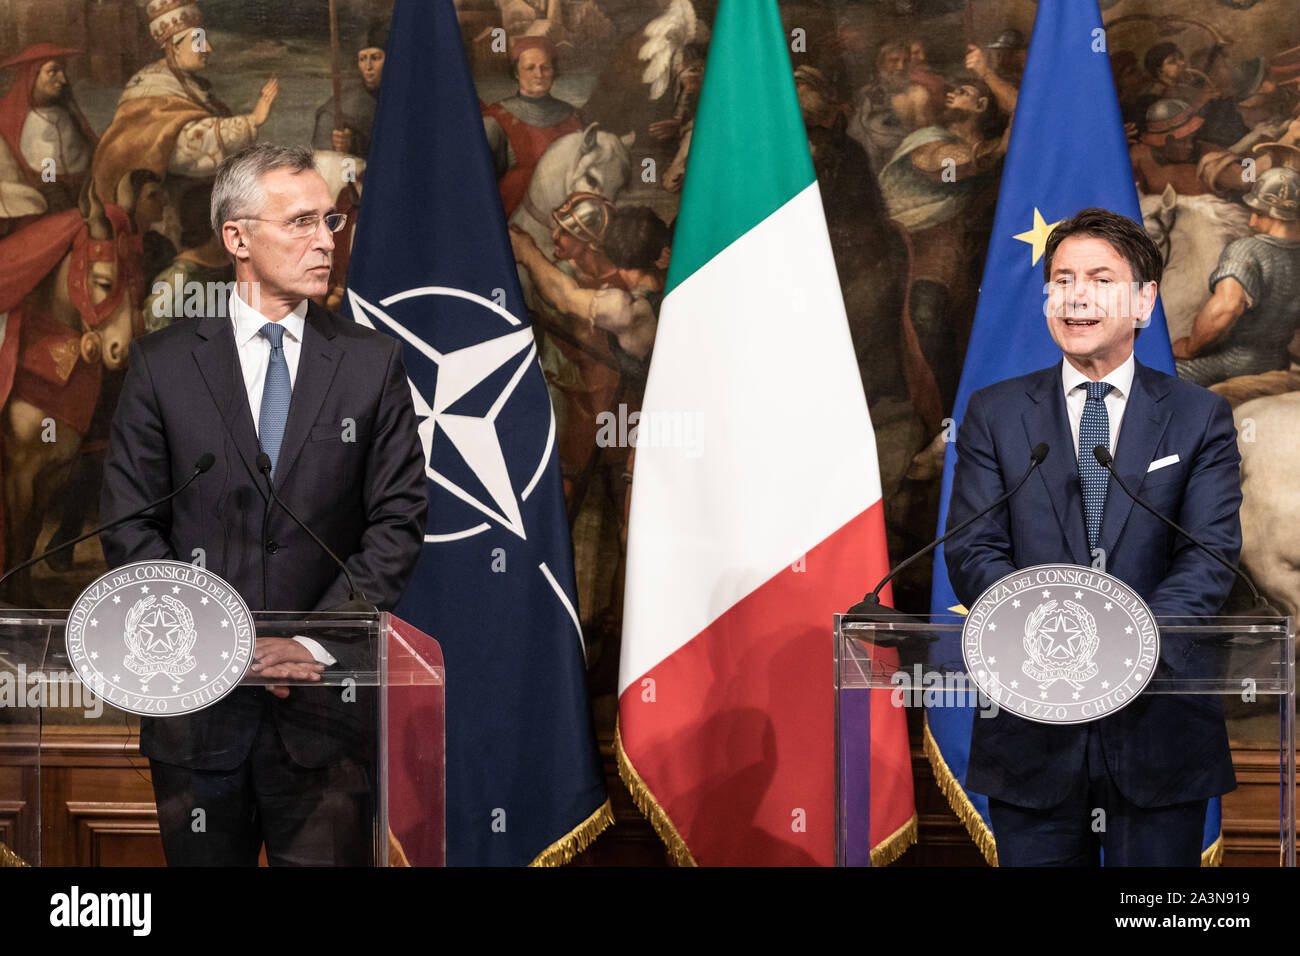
(870, 604)
(204, 462)
(357, 601)
(1262, 608)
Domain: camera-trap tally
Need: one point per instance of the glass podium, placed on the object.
(386, 705)
(1244, 666)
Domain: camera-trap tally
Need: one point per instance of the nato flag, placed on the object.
(431, 264)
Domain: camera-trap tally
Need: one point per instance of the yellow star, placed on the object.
(1037, 237)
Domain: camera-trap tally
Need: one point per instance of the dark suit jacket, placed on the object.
(366, 498)
(1160, 749)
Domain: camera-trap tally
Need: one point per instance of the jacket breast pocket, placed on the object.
(1170, 474)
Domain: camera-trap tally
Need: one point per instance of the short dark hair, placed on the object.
(194, 208)
(376, 35)
(636, 237)
(1125, 236)
(1156, 56)
(992, 121)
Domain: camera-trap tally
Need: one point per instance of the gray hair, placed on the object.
(237, 191)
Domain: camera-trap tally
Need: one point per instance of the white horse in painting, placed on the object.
(1191, 232)
(590, 160)
(1269, 439)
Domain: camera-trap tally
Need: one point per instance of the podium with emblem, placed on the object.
(88, 674)
(1060, 644)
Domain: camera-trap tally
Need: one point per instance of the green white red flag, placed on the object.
(745, 540)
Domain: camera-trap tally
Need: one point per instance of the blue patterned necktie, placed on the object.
(1094, 430)
(276, 392)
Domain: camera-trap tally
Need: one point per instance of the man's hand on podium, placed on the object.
(284, 657)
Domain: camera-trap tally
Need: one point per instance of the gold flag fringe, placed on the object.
(957, 799)
(895, 845)
(678, 852)
(1212, 855)
(884, 853)
(563, 850)
(9, 858)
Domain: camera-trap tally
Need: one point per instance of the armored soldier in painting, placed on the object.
(1248, 322)
(521, 127)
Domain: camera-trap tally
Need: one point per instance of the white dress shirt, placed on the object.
(1072, 380)
(254, 351)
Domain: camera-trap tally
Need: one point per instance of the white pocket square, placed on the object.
(1162, 462)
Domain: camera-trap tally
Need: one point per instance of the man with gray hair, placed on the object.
(327, 402)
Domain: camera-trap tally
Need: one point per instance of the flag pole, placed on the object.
(335, 67)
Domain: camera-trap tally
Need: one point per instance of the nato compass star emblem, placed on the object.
(463, 410)
(478, 444)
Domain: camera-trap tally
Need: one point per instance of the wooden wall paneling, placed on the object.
(97, 804)
(97, 809)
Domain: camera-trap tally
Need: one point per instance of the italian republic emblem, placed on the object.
(1060, 643)
(160, 638)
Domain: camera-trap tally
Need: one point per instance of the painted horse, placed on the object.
(70, 291)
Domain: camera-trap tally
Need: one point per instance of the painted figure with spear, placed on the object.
(344, 120)
(341, 137)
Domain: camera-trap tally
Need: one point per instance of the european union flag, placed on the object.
(431, 264)
(1067, 151)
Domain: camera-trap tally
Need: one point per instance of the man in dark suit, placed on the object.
(1151, 767)
(329, 404)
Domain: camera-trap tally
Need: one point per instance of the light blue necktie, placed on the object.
(276, 392)
(1094, 430)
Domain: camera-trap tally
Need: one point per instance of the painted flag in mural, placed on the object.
(1048, 176)
(432, 265)
(744, 542)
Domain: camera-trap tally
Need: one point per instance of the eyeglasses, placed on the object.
(305, 226)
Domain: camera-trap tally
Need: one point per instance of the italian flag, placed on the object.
(756, 504)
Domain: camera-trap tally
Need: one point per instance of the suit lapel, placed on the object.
(317, 363)
(1046, 420)
(1140, 431)
(218, 363)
